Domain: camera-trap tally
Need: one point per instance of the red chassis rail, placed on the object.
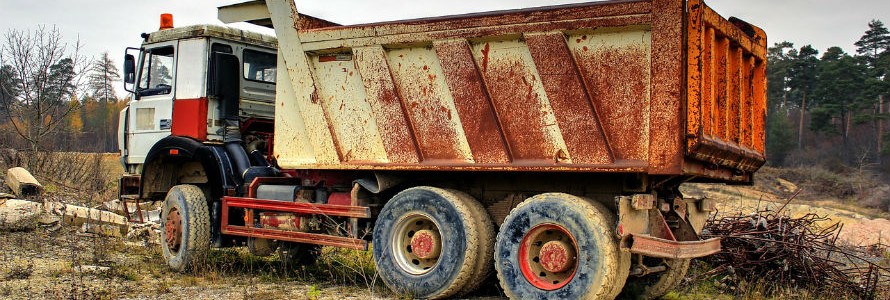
(250, 204)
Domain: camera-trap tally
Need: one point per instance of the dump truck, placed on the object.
(544, 145)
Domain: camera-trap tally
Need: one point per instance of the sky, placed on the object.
(112, 25)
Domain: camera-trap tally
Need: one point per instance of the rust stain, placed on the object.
(578, 119)
(439, 137)
(617, 81)
(731, 82)
(472, 102)
(398, 140)
(721, 73)
(666, 134)
(707, 83)
(522, 111)
(695, 51)
(734, 95)
(485, 57)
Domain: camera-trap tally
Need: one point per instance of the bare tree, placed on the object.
(41, 74)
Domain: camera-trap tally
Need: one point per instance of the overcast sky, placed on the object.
(112, 25)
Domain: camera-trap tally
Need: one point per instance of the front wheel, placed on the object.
(186, 226)
(559, 246)
(429, 243)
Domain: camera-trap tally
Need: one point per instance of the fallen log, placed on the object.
(22, 183)
(101, 229)
(19, 215)
(79, 215)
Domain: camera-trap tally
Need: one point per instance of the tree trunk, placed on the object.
(880, 121)
(803, 107)
(785, 103)
(848, 118)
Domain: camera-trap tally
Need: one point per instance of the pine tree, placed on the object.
(802, 81)
(838, 92)
(872, 48)
(777, 75)
(103, 75)
(875, 41)
(9, 89)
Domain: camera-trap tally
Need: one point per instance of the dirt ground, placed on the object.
(860, 228)
(65, 264)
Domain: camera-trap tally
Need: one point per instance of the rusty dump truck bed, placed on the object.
(662, 87)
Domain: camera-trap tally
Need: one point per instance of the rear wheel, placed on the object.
(559, 246)
(485, 259)
(427, 242)
(185, 237)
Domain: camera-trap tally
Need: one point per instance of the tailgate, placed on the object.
(726, 86)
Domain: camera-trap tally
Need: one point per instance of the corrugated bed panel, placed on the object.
(544, 99)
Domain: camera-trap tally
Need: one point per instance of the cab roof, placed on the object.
(213, 31)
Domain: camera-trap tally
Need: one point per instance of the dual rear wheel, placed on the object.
(434, 243)
(560, 246)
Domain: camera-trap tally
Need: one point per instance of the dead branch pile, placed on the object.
(776, 248)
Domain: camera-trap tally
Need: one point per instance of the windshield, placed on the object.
(156, 76)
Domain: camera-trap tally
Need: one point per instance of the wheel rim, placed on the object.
(173, 230)
(548, 256)
(417, 243)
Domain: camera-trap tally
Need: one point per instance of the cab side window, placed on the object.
(156, 75)
(259, 66)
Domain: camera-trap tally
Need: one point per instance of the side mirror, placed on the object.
(129, 69)
(225, 83)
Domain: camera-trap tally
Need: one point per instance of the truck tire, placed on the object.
(485, 258)
(427, 242)
(655, 285)
(559, 246)
(185, 234)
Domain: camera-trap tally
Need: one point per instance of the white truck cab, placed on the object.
(200, 84)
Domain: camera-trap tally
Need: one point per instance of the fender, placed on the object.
(177, 150)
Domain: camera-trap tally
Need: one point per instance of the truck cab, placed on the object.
(193, 86)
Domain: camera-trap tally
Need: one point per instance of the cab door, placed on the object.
(150, 115)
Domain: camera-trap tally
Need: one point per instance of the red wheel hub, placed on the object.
(426, 244)
(556, 256)
(173, 230)
(548, 256)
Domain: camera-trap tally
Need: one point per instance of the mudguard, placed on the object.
(214, 159)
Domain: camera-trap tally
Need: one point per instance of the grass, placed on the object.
(737, 286)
